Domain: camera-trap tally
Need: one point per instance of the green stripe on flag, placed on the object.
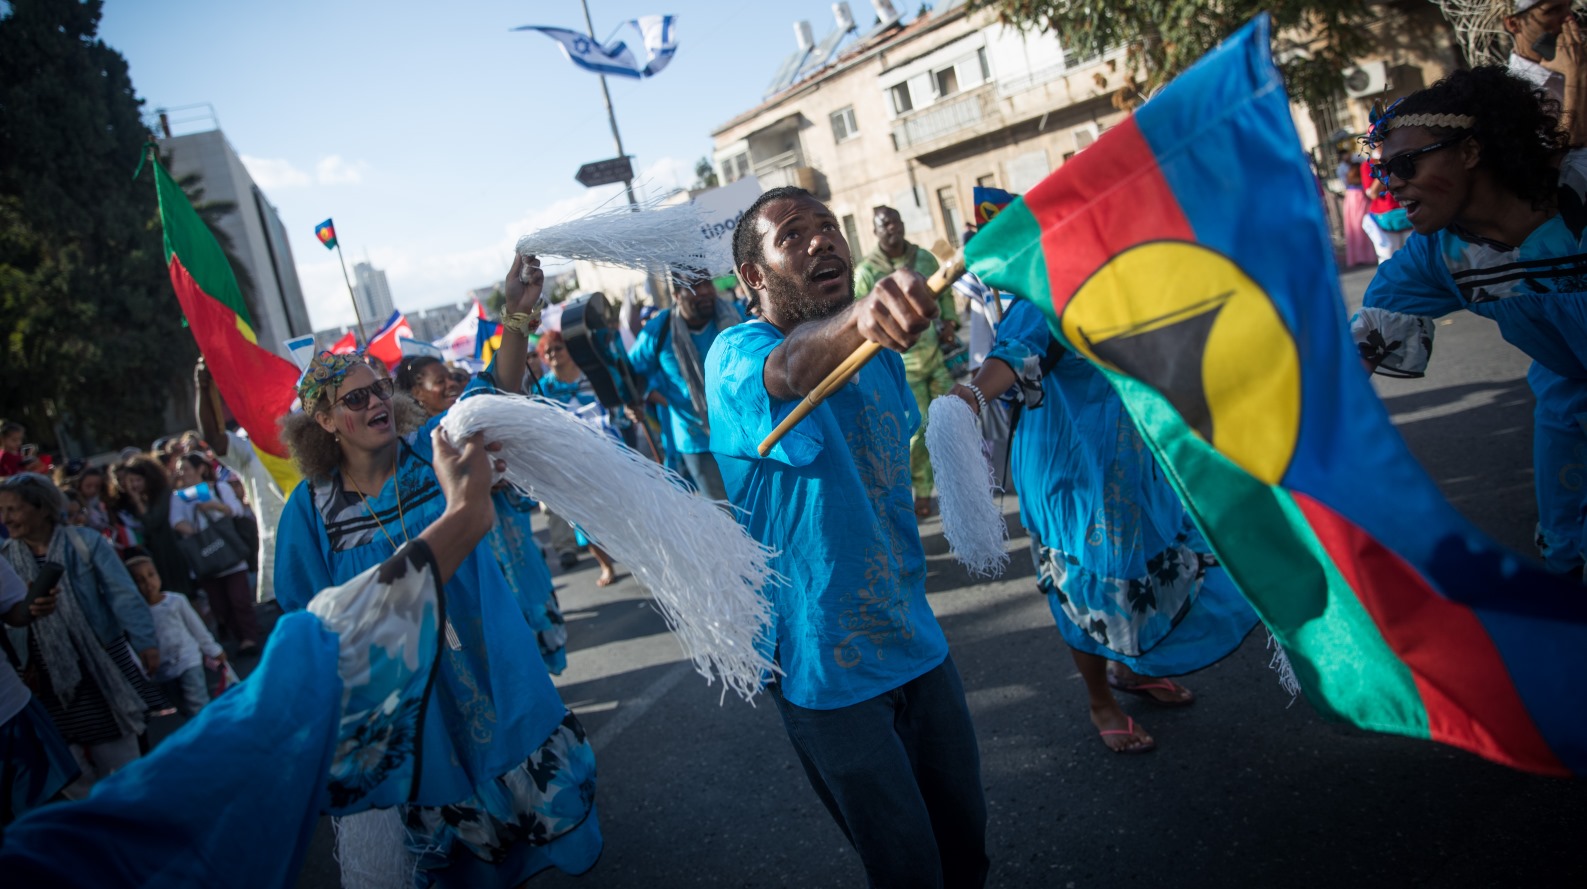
(1283, 569)
(1027, 266)
(187, 236)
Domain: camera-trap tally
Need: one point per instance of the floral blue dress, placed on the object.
(1127, 575)
(493, 708)
(330, 720)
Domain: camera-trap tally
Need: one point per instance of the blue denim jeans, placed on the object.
(901, 775)
(188, 691)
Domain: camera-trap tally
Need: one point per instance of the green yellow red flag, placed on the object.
(257, 384)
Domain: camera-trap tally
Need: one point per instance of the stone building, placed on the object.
(915, 115)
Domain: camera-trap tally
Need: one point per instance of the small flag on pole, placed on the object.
(659, 34)
(326, 232)
(989, 202)
(385, 344)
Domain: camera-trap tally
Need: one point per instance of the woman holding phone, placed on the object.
(80, 660)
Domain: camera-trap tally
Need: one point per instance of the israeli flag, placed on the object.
(660, 33)
(301, 348)
(614, 58)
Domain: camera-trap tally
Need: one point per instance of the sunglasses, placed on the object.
(358, 399)
(1403, 165)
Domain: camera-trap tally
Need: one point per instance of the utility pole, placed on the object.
(606, 94)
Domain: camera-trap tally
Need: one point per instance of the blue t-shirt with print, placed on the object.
(833, 498)
(654, 358)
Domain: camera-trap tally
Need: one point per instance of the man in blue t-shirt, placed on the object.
(670, 354)
(869, 696)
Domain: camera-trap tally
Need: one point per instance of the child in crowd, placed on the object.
(185, 643)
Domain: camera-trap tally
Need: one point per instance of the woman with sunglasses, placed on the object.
(1479, 161)
(483, 813)
(436, 388)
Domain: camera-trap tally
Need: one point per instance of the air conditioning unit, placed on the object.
(1365, 81)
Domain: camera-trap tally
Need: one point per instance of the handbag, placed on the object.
(214, 549)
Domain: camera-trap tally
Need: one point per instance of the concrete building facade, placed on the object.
(259, 239)
(914, 116)
(372, 295)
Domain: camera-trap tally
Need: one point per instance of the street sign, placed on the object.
(605, 172)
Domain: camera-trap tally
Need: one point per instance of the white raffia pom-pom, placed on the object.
(704, 570)
(650, 240)
(974, 526)
(1280, 664)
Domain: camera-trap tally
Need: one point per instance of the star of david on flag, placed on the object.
(659, 38)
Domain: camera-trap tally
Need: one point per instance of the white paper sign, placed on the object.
(720, 212)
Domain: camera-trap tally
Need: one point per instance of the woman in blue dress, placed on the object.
(329, 718)
(1133, 586)
(476, 815)
(436, 388)
(1499, 212)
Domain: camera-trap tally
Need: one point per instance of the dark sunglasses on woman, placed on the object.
(1403, 165)
(358, 399)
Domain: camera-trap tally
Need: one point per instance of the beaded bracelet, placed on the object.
(980, 398)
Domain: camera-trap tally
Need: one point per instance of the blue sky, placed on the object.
(433, 135)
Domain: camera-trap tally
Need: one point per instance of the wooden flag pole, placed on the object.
(940, 280)
(352, 294)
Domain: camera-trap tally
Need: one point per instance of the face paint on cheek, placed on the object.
(347, 423)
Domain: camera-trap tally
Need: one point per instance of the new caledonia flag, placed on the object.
(257, 384)
(1186, 255)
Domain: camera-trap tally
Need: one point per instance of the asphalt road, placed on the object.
(1246, 789)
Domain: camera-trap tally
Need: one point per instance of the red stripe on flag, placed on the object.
(1465, 688)
(257, 384)
(1093, 225)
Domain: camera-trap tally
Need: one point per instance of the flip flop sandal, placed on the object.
(1145, 689)
(1148, 747)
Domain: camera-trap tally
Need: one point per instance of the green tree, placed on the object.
(1314, 40)
(705, 174)
(91, 338)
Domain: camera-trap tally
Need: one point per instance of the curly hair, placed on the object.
(316, 453)
(156, 484)
(408, 369)
(1517, 128)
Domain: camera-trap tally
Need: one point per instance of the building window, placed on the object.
(951, 217)
(987, 181)
(986, 69)
(851, 232)
(900, 94)
(735, 167)
(844, 126)
(947, 81)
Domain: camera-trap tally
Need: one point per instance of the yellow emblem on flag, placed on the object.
(1186, 320)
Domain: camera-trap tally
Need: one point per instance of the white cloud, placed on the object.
(269, 173)
(332, 170)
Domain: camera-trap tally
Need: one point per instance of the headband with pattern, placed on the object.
(325, 371)
(1385, 120)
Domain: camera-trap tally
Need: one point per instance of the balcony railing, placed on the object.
(940, 119)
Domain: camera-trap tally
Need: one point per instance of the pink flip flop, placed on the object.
(1148, 747)
(1144, 689)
